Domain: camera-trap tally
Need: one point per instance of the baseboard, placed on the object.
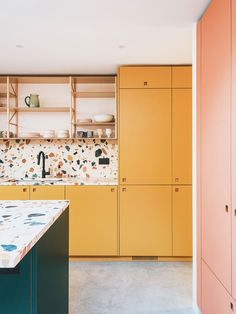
(129, 258)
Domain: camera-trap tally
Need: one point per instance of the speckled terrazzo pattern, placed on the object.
(66, 158)
(22, 224)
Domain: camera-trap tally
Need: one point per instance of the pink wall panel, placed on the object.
(233, 115)
(199, 216)
(215, 139)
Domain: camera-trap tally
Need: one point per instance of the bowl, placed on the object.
(102, 118)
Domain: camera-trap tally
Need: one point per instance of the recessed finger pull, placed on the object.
(226, 208)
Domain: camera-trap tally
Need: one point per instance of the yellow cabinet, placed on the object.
(47, 192)
(145, 221)
(14, 193)
(182, 77)
(182, 136)
(145, 77)
(182, 220)
(145, 136)
(93, 220)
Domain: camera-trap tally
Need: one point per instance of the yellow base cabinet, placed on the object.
(47, 192)
(145, 221)
(14, 193)
(93, 220)
(182, 220)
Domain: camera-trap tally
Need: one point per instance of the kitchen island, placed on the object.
(34, 257)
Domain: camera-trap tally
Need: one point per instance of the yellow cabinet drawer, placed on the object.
(14, 193)
(145, 77)
(182, 77)
(45, 192)
(93, 220)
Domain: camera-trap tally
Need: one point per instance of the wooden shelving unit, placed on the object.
(77, 94)
(12, 110)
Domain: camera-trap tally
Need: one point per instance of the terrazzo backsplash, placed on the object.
(66, 158)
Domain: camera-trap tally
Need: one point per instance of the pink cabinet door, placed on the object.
(215, 298)
(215, 139)
(233, 115)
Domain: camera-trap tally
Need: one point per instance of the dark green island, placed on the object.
(34, 257)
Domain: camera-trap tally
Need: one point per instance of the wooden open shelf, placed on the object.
(41, 109)
(112, 124)
(56, 138)
(94, 94)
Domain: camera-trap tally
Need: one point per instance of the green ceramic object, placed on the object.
(32, 101)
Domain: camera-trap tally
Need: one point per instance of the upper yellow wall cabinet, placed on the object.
(182, 136)
(145, 77)
(145, 136)
(182, 76)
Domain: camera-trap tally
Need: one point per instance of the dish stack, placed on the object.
(48, 134)
(63, 134)
(30, 135)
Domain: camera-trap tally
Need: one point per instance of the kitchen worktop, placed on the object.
(22, 224)
(60, 181)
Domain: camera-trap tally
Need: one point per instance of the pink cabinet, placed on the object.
(215, 139)
(215, 298)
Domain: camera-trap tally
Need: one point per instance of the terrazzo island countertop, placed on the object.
(59, 181)
(22, 224)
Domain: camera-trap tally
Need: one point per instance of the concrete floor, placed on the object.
(130, 288)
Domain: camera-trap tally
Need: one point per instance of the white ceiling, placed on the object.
(84, 36)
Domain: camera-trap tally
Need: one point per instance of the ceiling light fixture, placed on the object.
(19, 46)
(121, 46)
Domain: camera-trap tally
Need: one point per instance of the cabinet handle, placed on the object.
(112, 190)
(176, 179)
(226, 208)
(24, 189)
(34, 189)
(176, 189)
(231, 306)
(145, 83)
(235, 212)
(123, 179)
(123, 189)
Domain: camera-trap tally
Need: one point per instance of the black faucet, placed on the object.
(44, 172)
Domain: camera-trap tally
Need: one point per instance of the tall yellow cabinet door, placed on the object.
(14, 193)
(145, 221)
(182, 136)
(145, 136)
(93, 220)
(47, 192)
(182, 220)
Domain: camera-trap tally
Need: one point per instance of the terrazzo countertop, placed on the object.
(22, 224)
(62, 181)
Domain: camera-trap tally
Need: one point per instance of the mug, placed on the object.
(32, 101)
